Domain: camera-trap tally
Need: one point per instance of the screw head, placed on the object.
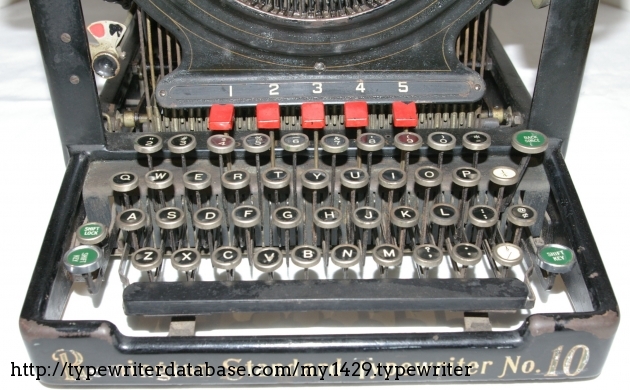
(319, 66)
(66, 38)
(74, 79)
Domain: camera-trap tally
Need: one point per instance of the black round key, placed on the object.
(370, 142)
(257, 143)
(131, 220)
(444, 214)
(181, 144)
(246, 216)
(327, 217)
(235, 180)
(335, 143)
(315, 179)
(392, 178)
(428, 176)
(268, 259)
(170, 218)
(407, 141)
(466, 177)
(476, 141)
(441, 141)
(466, 254)
(208, 218)
(276, 178)
(387, 255)
(286, 217)
(354, 178)
(124, 182)
(345, 255)
(185, 259)
(294, 142)
(306, 256)
(483, 216)
(221, 144)
(427, 256)
(148, 144)
(366, 217)
(226, 258)
(159, 179)
(197, 180)
(405, 217)
(521, 215)
(146, 259)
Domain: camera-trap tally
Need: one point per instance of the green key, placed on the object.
(556, 258)
(530, 142)
(83, 259)
(91, 233)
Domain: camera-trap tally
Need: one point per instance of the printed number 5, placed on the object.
(403, 87)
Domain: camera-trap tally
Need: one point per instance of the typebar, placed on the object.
(203, 298)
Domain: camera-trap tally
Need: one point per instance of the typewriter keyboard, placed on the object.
(318, 221)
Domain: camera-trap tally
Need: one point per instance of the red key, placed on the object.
(268, 116)
(356, 114)
(404, 114)
(313, 116)
(221, 117)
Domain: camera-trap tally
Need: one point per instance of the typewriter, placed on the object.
(345, 184)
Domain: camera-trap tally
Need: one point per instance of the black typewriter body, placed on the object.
(422, 79)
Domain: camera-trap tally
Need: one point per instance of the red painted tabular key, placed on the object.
(404, 114)
(355, 114)
(313, 116)
(221, 117)
(268, 116)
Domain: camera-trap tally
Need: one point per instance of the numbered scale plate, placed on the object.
(420, 88)
(430, 87)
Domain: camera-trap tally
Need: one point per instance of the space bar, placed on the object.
(203, 298)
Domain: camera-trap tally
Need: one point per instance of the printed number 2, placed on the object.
(273, 89)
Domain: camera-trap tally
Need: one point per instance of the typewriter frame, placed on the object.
(539, 339)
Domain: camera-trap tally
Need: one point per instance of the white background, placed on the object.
(32, 164)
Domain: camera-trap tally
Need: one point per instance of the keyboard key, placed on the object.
(355, 114)
(404, 114)
(221, 117)
(268, 116)
(313, 116)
